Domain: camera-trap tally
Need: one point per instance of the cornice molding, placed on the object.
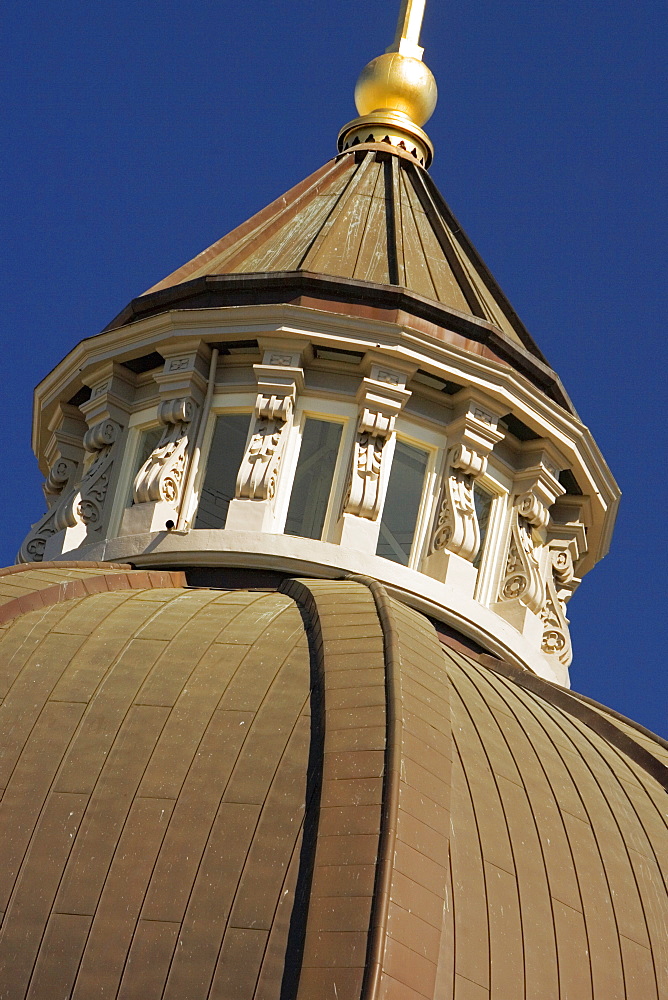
(271, 288)
(397, 342)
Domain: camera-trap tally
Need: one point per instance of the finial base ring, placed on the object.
(392, 127)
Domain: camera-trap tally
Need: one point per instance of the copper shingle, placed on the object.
(372, 215)
(306, 794)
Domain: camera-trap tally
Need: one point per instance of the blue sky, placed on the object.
(135, 135)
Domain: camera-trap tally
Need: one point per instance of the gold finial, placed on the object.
(396, 93)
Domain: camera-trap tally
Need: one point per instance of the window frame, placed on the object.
(139, 422)
(433, 442)
(330, 411)
(221, 405)
(496, 539)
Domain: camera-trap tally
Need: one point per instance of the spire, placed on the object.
(396, 93)
(409, 25)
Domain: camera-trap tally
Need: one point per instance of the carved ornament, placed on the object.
(530, 507)
(363, 493)
(522, 579)
(79, 505)
(259, 468)
(89, 501)
(381, 397)
(556, 640)
(61, 473)
(457, 526)
(59, 516)
(162, 475)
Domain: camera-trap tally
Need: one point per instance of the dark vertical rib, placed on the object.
(392, 776)
(391, 208)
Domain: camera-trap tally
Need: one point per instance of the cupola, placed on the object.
(337, 387)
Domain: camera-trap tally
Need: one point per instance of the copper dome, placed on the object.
(303, 791)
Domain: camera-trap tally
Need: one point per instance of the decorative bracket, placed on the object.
(162, 474)
(475, 432)
(279, 378)
(556, 639)
(106, 412)
(54, 520)
(522, 579)
(87, 504)
(537, 487)
(457, 525)
(64, 451)
(567, 545)
(60, 474)
(66, 448)
(380, 398)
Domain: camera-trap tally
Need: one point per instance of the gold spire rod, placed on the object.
(409, 26)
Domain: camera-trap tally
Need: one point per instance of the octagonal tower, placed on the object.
(337, 386)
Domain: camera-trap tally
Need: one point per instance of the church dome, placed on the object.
(284, 666)
(302, 788)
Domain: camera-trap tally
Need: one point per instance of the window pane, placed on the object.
(313, 478)
(227, 450)
(402, 503)
(148, 440)
(483, 506)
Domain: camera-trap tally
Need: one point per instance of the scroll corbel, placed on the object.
(64, 452)
(567, 544)
(59, 516)
(162, 474)
(374, 429)
(457, 525)
(381, 397)
(522, 578)
(88, 504)
(556, 639)
(279, 378)
(523, 591)
(472, 434)
(258, 473)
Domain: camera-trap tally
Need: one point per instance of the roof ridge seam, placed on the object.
(573, 704)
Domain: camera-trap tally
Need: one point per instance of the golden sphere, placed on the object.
(398, 82)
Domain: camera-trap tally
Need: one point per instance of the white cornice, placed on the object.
(496, 379)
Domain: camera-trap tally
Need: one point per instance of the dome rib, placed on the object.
(615, 729)
(342, 225)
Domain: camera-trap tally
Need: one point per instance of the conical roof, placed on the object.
(372, 214)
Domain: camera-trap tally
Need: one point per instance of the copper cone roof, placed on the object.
(371, 215)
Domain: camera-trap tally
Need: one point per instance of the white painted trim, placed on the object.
(404, 344)
(433, 442)
(143, 419)
(496, 542)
